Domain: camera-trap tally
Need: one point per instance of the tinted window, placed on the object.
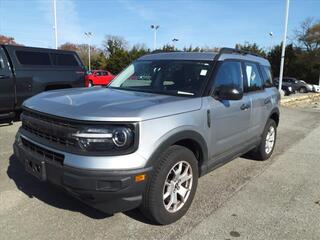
(33, 58)
(266, 75)
(64, 59)
(229, 73)
(104, 73)
(254, 81)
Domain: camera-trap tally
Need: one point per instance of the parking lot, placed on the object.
(33, 210)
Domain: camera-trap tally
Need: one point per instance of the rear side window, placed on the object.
(254, 81)
(267, 76)
(33, 58)
(230, 74)
(64, 59)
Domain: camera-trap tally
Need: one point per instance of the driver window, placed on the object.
(229, 74)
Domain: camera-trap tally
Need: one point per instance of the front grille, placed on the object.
(39, 133)
(47, 154)
(51, 129)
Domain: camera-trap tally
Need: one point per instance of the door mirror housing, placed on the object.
(225, 92)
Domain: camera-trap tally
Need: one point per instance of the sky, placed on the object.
(207, 23)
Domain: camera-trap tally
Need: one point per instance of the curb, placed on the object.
(311, 97)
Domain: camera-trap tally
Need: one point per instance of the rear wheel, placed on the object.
(269, 136)
(172, 187)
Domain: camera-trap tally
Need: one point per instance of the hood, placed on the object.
(105, 104)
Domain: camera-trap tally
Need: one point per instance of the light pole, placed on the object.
(155, 28)
(173, 41)
(89, 35)
(271, 37)
(55, 26)
(283, 52)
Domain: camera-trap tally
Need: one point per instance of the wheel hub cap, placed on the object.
(270, 138)
(177, 186)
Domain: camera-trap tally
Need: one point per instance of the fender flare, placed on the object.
(273, 111)
(183, 135)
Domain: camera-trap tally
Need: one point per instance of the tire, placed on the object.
(90, 84)
(262, 152)
(154, 200)
(303, 90)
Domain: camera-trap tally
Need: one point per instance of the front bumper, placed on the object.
(106, 190)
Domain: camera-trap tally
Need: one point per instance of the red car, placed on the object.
(98, 77)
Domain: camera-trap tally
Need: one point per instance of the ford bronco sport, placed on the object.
(144, 141)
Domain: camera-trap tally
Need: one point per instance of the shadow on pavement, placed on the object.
(250, 156)
(48, 193)
(138, 216)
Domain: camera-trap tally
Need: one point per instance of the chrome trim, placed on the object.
(93, 135)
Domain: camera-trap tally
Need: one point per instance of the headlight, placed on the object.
(290, 88)
(122, 137)
(111, 139)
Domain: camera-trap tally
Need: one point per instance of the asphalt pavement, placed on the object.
(244, 199)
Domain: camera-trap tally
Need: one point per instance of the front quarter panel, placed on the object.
(155, 132)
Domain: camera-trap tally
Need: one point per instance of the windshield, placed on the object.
(171, 77)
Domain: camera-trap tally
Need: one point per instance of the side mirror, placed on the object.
(227, 93)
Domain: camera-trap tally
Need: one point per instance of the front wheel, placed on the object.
(268, 141)
(172, 187)
(303, 90)
(90, 84)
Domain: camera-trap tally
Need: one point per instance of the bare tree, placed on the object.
(308, 35)
(8, 40)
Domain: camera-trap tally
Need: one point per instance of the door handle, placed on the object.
(245, 106)
(267, 100)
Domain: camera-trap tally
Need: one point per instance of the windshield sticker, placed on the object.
(203, 72)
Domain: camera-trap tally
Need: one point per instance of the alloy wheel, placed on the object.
(270, 138)
(177, 186)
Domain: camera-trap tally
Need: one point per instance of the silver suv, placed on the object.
(144, 141)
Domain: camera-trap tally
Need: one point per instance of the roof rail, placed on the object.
(163, 51)
(236, 51)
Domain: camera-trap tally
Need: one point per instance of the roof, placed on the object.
(33, 49)
(203, 56)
